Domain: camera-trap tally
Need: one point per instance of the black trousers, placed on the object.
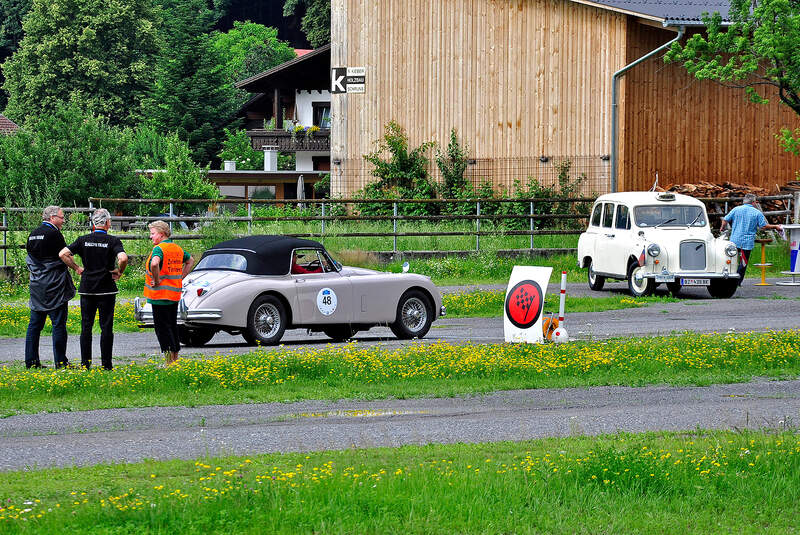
(165, 323)
(91, 305)
(744, 259)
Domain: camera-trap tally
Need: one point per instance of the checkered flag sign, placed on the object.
(524, 301)
(523, 304)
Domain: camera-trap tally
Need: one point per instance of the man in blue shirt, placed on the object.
(745, 221)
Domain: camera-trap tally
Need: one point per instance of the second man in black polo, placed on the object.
(100, 253)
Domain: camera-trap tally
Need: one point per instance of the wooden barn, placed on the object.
(528, 86)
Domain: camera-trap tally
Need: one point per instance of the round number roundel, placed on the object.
(524, 303)
(326, 301)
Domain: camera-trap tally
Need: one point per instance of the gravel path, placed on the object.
(131, 435)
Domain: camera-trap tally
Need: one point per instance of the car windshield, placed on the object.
(232, 261)
(669, 216)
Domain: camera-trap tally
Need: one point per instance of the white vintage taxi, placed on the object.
(651, 238)
(259, 286)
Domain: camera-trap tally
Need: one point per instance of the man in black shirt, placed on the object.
(51, 288)
(100, 252)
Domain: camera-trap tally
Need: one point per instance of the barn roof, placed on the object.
(668, 12)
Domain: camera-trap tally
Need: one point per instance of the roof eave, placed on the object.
(305, 57)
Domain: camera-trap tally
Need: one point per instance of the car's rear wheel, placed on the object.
(674, 288)
(723, 288)
(640, 287)
(340, 333)
(414, 316)
(596, 281)
(266, 321)
(195, 336)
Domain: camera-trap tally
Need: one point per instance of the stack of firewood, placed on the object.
(737, 191)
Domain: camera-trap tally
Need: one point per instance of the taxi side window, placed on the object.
(596, 213)
(623, 221)
(608, 214)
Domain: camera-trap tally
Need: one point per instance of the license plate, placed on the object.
(665, 278)
(695, 282)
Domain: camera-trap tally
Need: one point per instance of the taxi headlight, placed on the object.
(653, 250)
(731, 250)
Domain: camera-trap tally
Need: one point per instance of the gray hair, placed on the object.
(100, 217)
(49, 212)
(161, 226)
(749, 199)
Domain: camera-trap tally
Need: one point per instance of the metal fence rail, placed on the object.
(537, 219)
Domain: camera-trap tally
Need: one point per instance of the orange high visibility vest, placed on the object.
(170, 282)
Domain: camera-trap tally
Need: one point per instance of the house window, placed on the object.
(322, 114)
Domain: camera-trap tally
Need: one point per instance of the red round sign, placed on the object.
(524, 303)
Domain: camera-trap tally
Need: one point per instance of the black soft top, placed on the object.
(265, 254)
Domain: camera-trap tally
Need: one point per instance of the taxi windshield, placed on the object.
(669, 216)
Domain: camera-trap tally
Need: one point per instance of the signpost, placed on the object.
(348, 79)
(522, 318)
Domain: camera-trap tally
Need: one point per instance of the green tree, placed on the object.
(11, 14)
(66, 156)
(236, 45)
(192, 95)
(404, 174)
(96, 53)
(182, 179)
(760, 47)
(316, 21)
(236, 146)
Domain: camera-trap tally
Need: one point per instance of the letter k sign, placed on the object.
(338, 83)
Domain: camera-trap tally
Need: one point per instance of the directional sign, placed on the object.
(356, 79)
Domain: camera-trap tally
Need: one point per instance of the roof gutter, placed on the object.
(614, 104)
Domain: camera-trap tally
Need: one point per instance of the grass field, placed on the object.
(718, 482)
(352, 371)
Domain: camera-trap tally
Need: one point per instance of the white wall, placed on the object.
(303, 100)
(303, 160)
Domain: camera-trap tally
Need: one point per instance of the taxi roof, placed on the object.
(635, 198)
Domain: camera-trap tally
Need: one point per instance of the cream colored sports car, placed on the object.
(259, 286)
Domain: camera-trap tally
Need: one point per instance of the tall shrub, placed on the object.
(182, 179)
(403, 174)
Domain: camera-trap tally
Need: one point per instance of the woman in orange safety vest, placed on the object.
(166, 267)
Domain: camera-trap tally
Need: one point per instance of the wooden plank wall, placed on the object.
(689, 130)
(516, 78)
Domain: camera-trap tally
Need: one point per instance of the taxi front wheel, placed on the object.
(640, 287)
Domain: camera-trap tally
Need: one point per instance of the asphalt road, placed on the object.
(130, 435)
(753, 308)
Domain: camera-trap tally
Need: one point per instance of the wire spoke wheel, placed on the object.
(266, 321)
(414, 314)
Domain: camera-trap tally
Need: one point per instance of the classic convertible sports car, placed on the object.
(259, 286)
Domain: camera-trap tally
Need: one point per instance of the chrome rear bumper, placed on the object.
(143, 313)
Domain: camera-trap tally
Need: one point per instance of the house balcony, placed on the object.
(285, 142)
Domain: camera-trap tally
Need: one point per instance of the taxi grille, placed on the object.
(693, 255)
